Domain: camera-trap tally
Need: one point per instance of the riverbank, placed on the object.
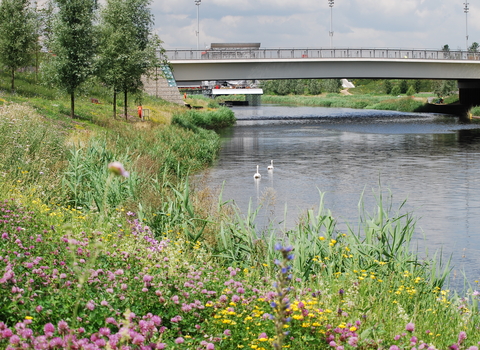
(416, 103)
(95, 257)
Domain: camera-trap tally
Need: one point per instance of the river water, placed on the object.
(431, 161)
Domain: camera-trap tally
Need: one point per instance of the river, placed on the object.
(431, 161)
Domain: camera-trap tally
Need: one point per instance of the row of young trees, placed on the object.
(301, 86)
(114, 42)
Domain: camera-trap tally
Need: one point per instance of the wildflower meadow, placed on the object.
(106, 244)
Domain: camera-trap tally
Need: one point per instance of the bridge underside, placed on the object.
(469, 92)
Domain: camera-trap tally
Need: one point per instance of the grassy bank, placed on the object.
(95, 260)
(416, 103)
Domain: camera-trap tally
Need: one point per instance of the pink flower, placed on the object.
(147, 278)
(227, 332)
(39, 308)
(461, 337)
(410, 327)
(161, 346)
(179, 340)
(62, 326)
(90, 305)
(263, 336)
(118, 169)
(210, 346)
(14, 339)
(49, 329)
(7, 333)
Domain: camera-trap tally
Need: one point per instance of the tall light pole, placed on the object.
(330, 3)
(197, 2)
(465, 9)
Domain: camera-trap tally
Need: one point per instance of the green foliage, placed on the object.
(17, 35)
(210, 120)
(73, 44)
(314, 87)
(331, 85)
(474, 47)
(443, 88)
(127, 50)
(396, 90)
(411, 91)
(403, 86)
(387, 86)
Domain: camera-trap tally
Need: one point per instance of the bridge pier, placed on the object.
(469, 92)
(253, 100)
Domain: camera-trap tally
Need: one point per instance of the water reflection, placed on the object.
(432, 161)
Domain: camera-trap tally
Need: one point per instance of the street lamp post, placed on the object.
(465, 9)
(197, 2)
(330, 3)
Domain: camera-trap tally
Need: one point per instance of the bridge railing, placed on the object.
(212, 54)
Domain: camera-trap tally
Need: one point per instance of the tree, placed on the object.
(446, 51)
(299, 87)
(314, 87)
(395, 90)
(403, 86)
(331, 85)
(387, 86)
(474, 47)
(127, 50)
(444, 88)
(73, 45)
(17, 35)
(411, 91)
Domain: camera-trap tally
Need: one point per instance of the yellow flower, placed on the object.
(321, 238)
(28, 317)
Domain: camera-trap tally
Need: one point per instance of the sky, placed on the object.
(409, 24)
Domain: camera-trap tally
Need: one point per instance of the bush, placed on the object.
(411, 91)
(396, 90)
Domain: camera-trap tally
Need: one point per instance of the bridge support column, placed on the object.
(254, 100)
(469, 92)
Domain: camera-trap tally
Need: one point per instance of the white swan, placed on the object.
(257, 174)
(270, 167)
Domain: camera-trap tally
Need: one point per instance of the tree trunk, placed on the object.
(13, 79)
(72, 104)
(125, 105)
(114, 104)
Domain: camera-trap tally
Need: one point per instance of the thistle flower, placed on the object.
(118, 169)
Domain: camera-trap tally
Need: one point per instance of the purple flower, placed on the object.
(210, 346)
(394, 347)
(410, 327)
(179, 340)
(461, 337)
(161, 346)
(227, 332)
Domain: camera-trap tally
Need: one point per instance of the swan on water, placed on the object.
(270, 167)
(257, 174)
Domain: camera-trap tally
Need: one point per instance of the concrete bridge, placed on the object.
(265, 64)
